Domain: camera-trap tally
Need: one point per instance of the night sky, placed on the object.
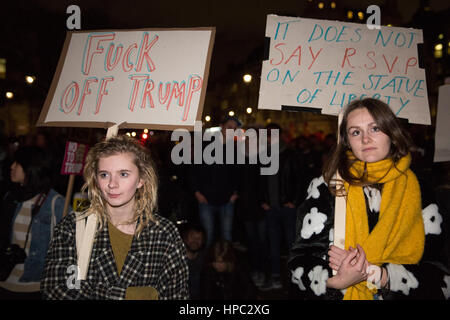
(240, 24)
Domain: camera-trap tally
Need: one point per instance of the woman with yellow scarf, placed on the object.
(389, 226)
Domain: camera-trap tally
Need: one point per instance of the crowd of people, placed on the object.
(228, 231)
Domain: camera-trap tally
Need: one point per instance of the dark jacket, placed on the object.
(217, 182)
(286, 182)
(248, 205)
(49, 214)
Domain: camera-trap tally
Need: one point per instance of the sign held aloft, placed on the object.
(152, 78)
(326, 64)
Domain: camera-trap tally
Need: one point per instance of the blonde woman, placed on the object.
(137, 254)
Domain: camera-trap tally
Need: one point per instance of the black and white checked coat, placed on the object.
(157, 259)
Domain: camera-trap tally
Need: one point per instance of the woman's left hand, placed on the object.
(351, 271)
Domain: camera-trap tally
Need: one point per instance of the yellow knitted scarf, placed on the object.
(399, 235)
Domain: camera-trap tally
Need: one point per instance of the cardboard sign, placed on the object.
(152, 78)
(442, 141)
(74, 158)
(325, 65)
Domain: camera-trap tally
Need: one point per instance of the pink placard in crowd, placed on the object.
(74, 158)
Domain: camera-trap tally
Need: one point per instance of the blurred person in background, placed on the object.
(29, 212)
(224, 278)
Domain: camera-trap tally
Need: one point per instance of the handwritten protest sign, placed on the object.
(326, 64)
(152, 78)
(74, 158)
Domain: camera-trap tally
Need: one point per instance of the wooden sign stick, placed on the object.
(69, 193)
(87, 234)
(112, 131)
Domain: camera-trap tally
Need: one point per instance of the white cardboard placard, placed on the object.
(147, 78)
(326, 64)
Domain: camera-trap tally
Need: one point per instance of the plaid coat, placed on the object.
(157, 259)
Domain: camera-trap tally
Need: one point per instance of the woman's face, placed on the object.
(17, 173)
(118, 179)
(367, 141)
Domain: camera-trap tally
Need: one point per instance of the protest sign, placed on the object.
(73, 164)
(146, 78)
(324, 65)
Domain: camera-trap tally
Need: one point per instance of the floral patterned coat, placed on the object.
(308, 260)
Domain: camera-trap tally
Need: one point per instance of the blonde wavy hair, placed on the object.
(145, 197)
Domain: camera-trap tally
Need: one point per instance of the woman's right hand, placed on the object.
(351, 271)
(335, 257)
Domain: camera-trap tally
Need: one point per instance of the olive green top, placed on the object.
(121, 245)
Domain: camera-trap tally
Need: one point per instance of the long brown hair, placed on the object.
(339, 160)
(145, 197)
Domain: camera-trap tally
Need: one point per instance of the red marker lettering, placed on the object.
(314, 57)
(373, 61)
(149, 86)
(86, 91)
(163, 98)
(390, 68)
(126, 65)
(281, 52)
(137, 80)
(179, 92)
(143, 53)
(299, 55)
(195, 84)
(71, 91)
(92, 41)
(111, 65)
(348, 55)
(414, 63)
(102, 92)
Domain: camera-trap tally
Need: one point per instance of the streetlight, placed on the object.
(231, 113)
(249, 110)
(30, 79)
(9, 95)
(207, 118)
(247, 78)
